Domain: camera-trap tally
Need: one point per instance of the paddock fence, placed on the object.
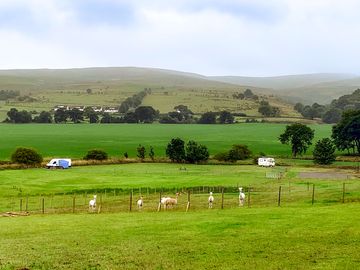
(190, 199)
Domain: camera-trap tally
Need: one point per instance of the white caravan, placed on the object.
(266, 162)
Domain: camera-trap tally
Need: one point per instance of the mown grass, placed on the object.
(251, 238)
(75, 140)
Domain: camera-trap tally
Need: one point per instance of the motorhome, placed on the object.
(266, 162)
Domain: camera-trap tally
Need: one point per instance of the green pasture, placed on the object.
(252, 238)
(74, 141)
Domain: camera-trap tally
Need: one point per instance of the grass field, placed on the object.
(251, 238)
(75, 140)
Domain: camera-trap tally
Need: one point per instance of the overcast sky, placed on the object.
(218, 37)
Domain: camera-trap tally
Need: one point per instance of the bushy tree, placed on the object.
(196, 152)
(96, 154)
(175, 150)
(60, 116)
(346, 133)
(76, 115)
(14, 116)
(141, 152)
(44, 117)
(208, 118)
(27, 156)
(151, 153)
(332, 116)
(239, 152)
(299, 136)
(146, 114)
(324, 152)
(226, 118)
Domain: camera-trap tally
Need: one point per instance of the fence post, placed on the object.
(100, 205)
(279, 197)
(131, 195)
(159, 206)
(313, 195)
(43, 205)
(27, 203)
(308, 186)
(73, 204)
(222, 198)
(343, 194)
(188, 203)
(21, 202)
(249, 196)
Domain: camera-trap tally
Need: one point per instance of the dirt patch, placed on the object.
(323, 175)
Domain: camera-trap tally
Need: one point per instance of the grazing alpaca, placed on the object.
(211, 200)
(140, 203)
(92, 203)
(167, 201)
(241, 197)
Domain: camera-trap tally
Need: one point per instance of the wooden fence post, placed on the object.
(279, 197)
(159, 206)
(131, 195)
(249, 196)
(188, 203)
(308, 186)
(43, 205)
(100, 205)
(21, 203)
(343, 193)
(222, 198)
(73, 204)
(313, 195)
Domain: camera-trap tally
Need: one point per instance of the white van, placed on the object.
(266, 162)
(61, 163)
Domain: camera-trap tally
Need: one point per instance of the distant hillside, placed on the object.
(307, 88)
(42, 89)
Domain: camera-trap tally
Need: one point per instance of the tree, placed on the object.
(60, 116)
(299, 136)
(141, 151)
(346, 133)
(27, 156)
(89, 91)
(44, 117)
(76, 115)
(96, 154)
(14, 116)
(106, 118)
(175, 150)
(145, 114)
(196, 152)
(299, 107)
(239, 152)
(226, 118)
(266, 110)
(152, 153)
(130, 117)
(208, 118)
(324, 152)
(332, 116)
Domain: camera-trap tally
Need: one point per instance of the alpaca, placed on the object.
(140, 203)
(168, 201)
(211, 200)
(92, 203)
(241, 196)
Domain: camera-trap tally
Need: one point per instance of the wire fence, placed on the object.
(189, 199)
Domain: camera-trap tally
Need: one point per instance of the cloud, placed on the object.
(244, 37)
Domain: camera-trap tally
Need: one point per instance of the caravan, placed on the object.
(59, 163)
(266, 162)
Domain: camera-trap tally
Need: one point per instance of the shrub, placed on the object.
(223, 156)
(28, 156)
(239, 152)
(96, 154)
(141, 151)
(196, 152)
(324, 152)
(175, 150)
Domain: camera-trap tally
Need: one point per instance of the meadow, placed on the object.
(75, 140)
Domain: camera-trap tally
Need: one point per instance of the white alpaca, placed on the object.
(140, 203)
(168, 201)
(241, 197)
(92, 203)
(211, 200)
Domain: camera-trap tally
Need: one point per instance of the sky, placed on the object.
(210, 37)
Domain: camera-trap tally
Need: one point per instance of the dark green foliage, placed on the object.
(226, 118)
(76, 115)
(175, 150)
(96, 154)
(60, 116)
(266, 110)
(346, 133)
(145, 114)
(130, 117)
(44, 117)
(208, 118)
(299, 136)
(152, 153)
(141, 152)
(27, 156)
(196, 153)
(239, 152)
(126, 155)
(134, 101)
(14, 116)
(332, 116)
(222, 156)
(324, 152)
(8, 94)
(299, 107)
